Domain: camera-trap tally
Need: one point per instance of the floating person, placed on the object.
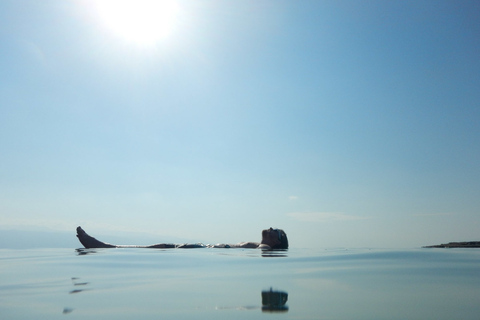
(272, 239)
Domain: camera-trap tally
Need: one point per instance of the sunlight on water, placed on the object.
(224, 283)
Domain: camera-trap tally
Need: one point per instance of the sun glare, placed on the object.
(139, 21)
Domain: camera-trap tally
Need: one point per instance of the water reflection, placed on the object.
(76, 291)
(274, 301)
(67, 310)
(274, 253)
(82, 251)
(264, 253)
(75, 283)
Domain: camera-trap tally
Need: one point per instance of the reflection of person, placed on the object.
(274, 301)
(271, 239)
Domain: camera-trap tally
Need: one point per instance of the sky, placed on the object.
(346, 123)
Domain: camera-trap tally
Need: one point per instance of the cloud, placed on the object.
(323, 216)
(292, 198)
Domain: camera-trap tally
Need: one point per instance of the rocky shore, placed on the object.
(468, 244)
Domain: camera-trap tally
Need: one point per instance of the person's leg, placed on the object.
(90, 242)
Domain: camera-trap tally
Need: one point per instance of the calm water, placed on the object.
(239, 284)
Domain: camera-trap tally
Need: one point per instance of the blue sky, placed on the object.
(346, 123)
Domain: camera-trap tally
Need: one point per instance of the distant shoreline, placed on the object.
(468, 244)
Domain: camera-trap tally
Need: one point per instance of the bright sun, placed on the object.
(140, 21)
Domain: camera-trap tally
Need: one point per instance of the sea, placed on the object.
(212, 283)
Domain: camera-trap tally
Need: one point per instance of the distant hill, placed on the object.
(467, 244)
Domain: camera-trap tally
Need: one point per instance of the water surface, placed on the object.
(239, 283)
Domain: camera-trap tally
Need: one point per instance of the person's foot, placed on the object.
(90, 242)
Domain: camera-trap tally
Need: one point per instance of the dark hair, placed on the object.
(282, 236)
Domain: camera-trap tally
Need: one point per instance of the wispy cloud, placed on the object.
(323, 216)
(292, 198)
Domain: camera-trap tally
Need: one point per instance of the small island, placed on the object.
(468, 244)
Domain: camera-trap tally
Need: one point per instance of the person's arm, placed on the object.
(264, 247)
(247, 245)
(219, 245)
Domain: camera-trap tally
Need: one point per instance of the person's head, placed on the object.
(275, 238)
